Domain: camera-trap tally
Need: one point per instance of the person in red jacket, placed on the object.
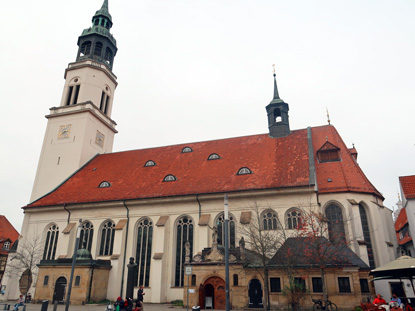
(379, 300)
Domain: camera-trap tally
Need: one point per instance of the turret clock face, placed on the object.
(64, 131)
(99, 139)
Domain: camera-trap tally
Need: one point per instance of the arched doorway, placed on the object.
(60, 287)
(255, 294)
(212, 294)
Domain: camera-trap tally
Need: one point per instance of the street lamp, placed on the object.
(78, 234)
(226, 251)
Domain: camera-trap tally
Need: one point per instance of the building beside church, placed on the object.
(148, 203)
(8, 235)
(405, 220)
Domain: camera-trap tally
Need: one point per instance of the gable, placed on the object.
(408, 186)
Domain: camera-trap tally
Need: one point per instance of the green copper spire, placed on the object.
(276, 98)
(103, 11)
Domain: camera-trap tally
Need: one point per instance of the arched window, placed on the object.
(213, 156)
(143, 251)
(108, 56)
(187, 149)
(335, 224)
(85, 48)
(77, 280)
(85, 239)
(170, 178)
(46, 280)
(244, 171)
(51, 242)
(366, 235)
(277, 115)
(184, 232)
(293, 217)
(150, 163)
(107, 238)
(235, 280)
(270, 220)
(98, 49)
(104, 184)
(220, 225)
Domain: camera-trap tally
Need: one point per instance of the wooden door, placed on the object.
(60, 287)
(218, 292)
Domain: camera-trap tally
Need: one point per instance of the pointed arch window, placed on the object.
(220, 226)
(143, 251)
(366, 235)
(270, 220)
(85, 48)
(150, 163)
(107, 238)
(244, 171)
(187, 149)
(51, 243)
(335, 224)
(170, 178)
(104, 184)
(98, 49)
(293, 218)
(214, 156)
(184, 232)
(85, 238)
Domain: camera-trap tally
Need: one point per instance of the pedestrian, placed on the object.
(140, 297)
(20, 302)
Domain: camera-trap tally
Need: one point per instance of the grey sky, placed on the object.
(202, 69)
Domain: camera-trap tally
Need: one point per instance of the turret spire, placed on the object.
(277, 111)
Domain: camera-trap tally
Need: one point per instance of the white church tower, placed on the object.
(81, 126)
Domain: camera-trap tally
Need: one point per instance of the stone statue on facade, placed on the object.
(187, 251)
(242, 248)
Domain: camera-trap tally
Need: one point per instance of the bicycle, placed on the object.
(318, 305)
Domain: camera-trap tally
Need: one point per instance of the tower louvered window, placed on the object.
(107, 238)
(51, 243)
(184, 232)
(143, 251)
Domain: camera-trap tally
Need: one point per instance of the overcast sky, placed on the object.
(202, 69)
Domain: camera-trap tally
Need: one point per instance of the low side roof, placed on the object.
(408, 186)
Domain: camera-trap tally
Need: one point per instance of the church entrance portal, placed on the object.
(255, 294)
(212, 294)
(60, 287)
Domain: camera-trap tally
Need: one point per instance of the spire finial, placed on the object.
(328, 116)
(276, 95)
(105, 5)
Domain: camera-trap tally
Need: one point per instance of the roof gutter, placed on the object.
(125, 248)
(69, 213)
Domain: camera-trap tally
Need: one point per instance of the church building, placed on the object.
(148, 203)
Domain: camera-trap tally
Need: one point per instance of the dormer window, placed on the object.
(170, 178)
(6, 245)
(328, 153)
(214, 156)
(244, 171)
(187, 149)
(104, 184)
(150, 163)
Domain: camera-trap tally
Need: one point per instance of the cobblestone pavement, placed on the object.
(147, 307)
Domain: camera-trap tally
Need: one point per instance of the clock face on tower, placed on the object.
(64, 131)
(99, 139)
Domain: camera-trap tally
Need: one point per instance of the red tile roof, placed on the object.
(408, 186)
(345, 175)
(275, 163)
(7, 231)
(401, 221)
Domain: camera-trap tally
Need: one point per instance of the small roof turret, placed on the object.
(104, 12)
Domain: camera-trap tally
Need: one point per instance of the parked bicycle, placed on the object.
(318, 305)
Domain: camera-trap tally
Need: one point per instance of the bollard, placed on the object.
(55, 305)
(44, 305)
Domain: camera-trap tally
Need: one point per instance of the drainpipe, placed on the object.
(200, 206)
(69, 213)
(125, 248)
